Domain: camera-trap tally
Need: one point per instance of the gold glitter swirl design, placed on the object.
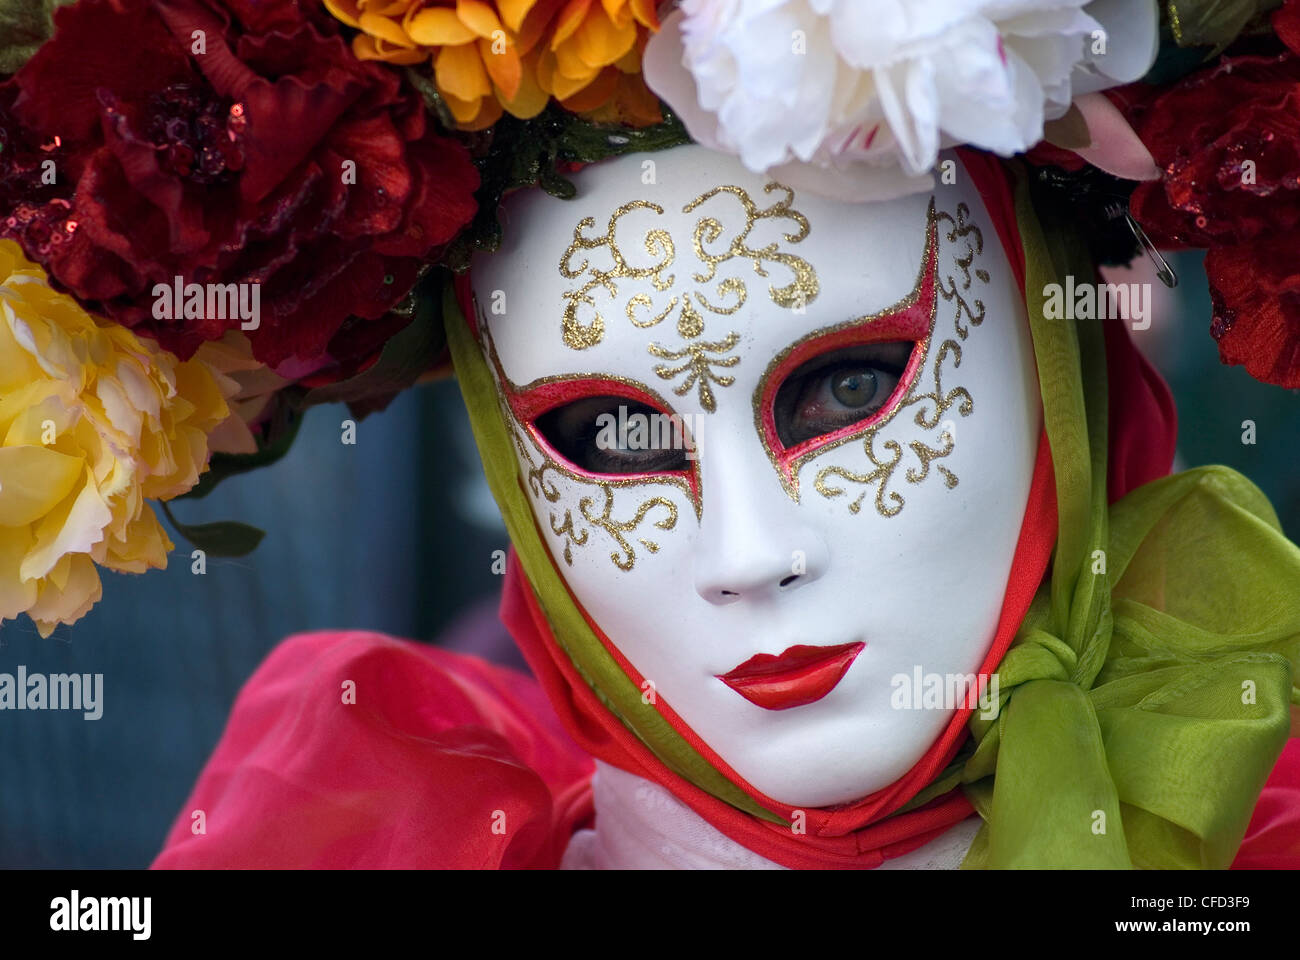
(963, 229)
(802, 288)
(617, 528)
(540, 482)
(698, 361)
(572, 539)
(889, 502)
(535, 477)
(625, 556)
(790, 479)
(657, 243)
(931, 405)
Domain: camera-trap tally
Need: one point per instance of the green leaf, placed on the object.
(24, 26)
(224, 538)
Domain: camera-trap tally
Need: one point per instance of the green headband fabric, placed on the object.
(1141, 708)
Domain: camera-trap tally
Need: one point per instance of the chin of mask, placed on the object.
(779, 448)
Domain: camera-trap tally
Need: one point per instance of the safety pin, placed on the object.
(1163, 270)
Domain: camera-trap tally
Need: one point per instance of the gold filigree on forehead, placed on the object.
(583, 325)
(657, 243)
(802, 288)
(700, 359)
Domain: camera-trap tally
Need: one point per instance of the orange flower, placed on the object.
(491, 56)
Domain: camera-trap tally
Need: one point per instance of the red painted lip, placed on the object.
(799, 676)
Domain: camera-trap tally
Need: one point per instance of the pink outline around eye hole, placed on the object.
(911, 322)
(528, 405)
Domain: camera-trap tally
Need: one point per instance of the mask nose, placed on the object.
(753, 544)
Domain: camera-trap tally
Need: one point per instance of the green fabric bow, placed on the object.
(1147, 695)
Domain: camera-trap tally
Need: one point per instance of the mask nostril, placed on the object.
(789, 580)
(729, 594)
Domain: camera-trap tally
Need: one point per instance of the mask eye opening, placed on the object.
(606, 429)
(615, 436)
(840, 390)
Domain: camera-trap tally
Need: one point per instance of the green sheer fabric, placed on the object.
(1147, 694)
(1141, 706)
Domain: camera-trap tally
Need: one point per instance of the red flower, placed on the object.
(1203, 131)
(1228, 140)
(226, 141)
(1255, 289)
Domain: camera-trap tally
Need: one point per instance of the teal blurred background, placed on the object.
(393, 534)
(1215, 400)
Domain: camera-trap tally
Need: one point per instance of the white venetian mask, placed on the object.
(836, 499)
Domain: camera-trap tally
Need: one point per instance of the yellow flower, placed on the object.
(93, 423)
(515, 55)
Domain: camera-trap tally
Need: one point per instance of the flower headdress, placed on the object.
(334, 162)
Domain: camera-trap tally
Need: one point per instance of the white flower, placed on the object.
(855, 98)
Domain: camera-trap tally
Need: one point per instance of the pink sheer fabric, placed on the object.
(439, 760)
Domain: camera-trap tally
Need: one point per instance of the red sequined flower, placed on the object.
(225, 141)
(1228, 141)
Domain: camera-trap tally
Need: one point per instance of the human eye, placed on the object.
(614, 435)
(838, 389)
